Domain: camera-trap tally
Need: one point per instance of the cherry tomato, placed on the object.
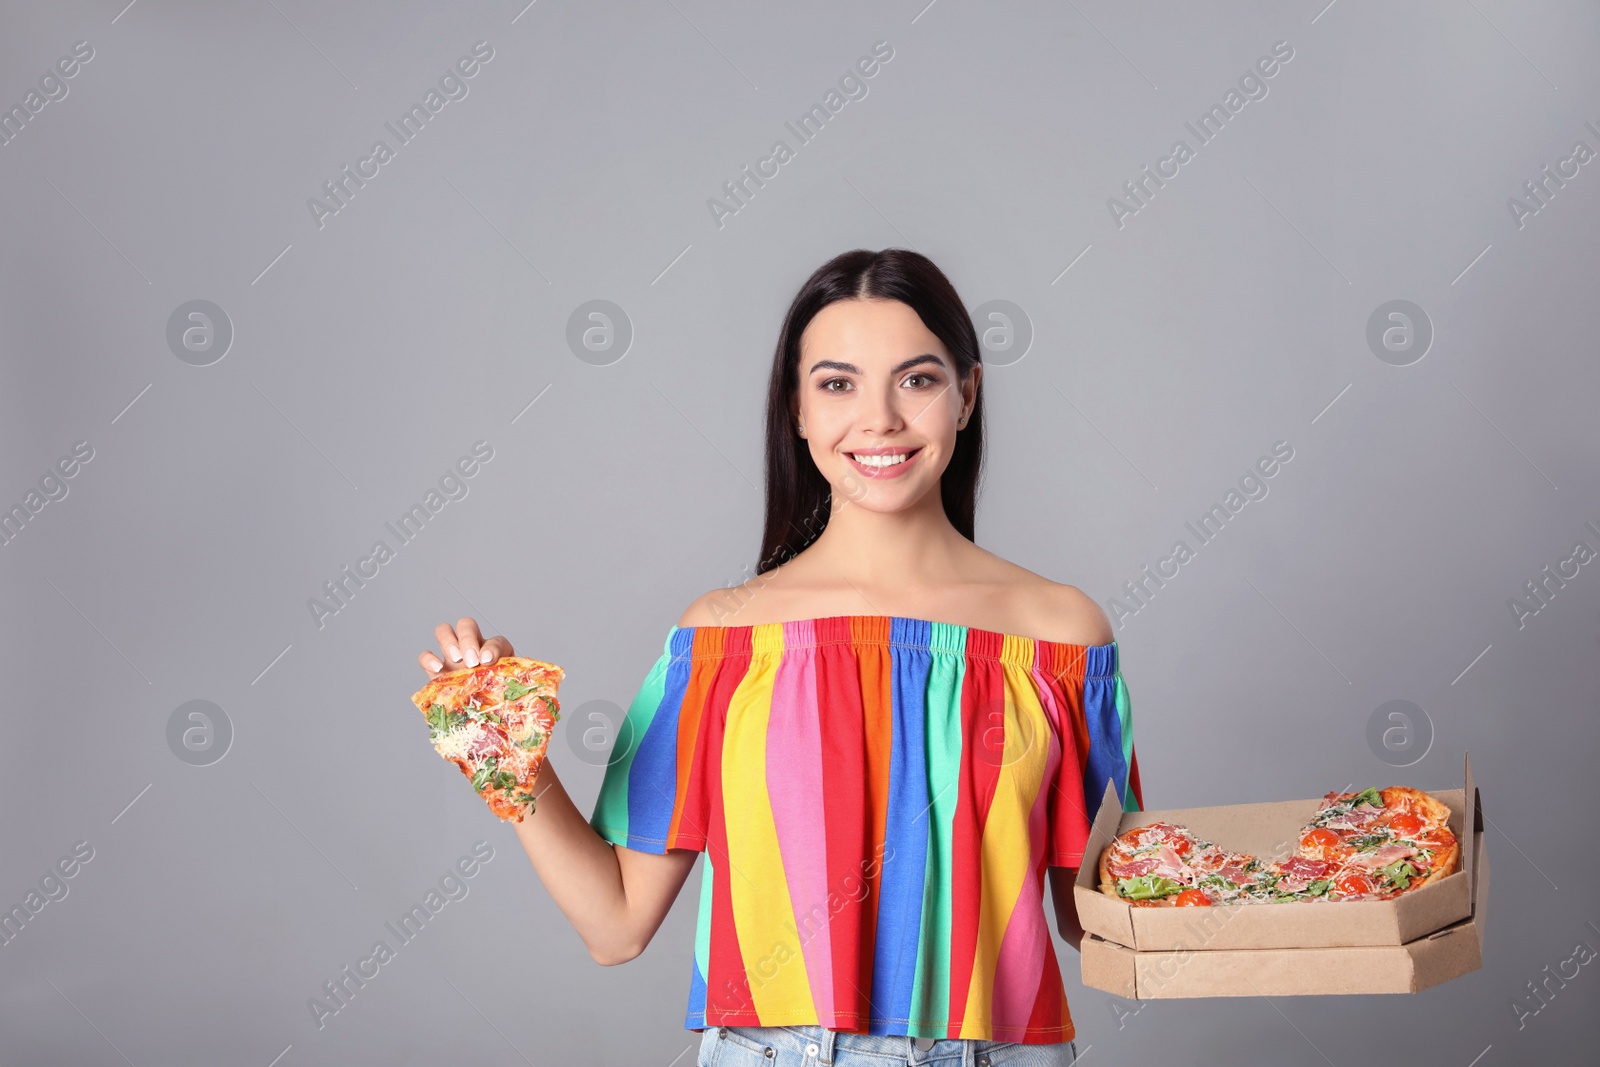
(1351, 884)
(1191, 898)
(1321, 838)
(1406, 823)
(1181, 845)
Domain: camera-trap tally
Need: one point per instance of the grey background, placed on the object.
(369, 354)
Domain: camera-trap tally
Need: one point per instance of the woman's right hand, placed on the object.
(462, 646)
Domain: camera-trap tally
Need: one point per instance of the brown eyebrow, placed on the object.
(851, 368)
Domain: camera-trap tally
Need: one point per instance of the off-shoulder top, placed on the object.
(877, 798)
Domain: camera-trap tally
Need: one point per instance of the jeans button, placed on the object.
(982, 1059)
(812, 1049)
(924, 1043)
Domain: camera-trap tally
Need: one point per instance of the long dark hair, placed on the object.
(798, 496)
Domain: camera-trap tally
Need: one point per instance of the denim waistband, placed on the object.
(818, 1045)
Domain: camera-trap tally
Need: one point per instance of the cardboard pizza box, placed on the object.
(1409, 968)
(1270, 831)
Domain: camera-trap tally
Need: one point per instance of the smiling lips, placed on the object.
(887, 462)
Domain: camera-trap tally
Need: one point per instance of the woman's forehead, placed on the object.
(876, 332)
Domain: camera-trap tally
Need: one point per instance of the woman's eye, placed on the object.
(930, 379)
(827, 386)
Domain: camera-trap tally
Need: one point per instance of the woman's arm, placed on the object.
(1067, 925)
(616, 898)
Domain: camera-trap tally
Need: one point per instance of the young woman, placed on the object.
(881, 742)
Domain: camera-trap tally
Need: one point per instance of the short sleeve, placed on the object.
(655, 794)
(1097, 748)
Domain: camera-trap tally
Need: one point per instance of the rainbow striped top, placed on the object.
(877, 798)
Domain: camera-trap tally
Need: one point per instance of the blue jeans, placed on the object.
(810, 1046)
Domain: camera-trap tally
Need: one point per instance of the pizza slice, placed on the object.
(1152, 866)
(1390, 841)
(494, 722)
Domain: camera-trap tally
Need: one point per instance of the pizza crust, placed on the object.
(1444, 865)
(428, 695)
(1424, 804)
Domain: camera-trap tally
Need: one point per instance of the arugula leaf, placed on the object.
(480, 778)
(1319, 887)
(438, 720)
(1400, 872)
(531, 742)
(515, 690)
(1147, 886)
(1366, 841)
(1367, 796)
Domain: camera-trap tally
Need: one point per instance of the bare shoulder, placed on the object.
(717, 607)
(1054, 611)
(1066, 614)
(708, 609)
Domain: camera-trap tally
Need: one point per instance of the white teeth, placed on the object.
(880, 461)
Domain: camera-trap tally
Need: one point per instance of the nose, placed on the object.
(880, 411)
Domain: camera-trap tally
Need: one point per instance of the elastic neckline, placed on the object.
(1057, 658)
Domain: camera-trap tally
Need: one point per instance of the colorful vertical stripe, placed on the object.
(878, 799)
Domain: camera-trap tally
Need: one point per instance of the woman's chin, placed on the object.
(886, 497)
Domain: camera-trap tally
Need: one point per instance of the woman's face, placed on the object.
(877, 385)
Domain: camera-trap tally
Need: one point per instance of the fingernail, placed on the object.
(435, 664)
(455, 653)
(472, 659)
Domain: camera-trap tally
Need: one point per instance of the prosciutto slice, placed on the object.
(1237, 874)
(1357, 818)
(1381, 857)
(1133, 868)
(1299, 872)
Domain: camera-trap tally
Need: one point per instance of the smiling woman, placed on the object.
(887, 689)
(881, 742)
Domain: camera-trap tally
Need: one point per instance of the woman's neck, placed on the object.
(913, 548)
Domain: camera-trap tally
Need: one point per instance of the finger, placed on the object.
(448, 644)
(430, 662)
(471, 640)
(493, 649)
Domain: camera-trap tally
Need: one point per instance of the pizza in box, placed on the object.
(1372, 845)
(494, 722)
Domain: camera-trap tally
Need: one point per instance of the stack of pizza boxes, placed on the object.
(1403, 945)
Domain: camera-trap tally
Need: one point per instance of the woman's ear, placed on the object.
(969, 389)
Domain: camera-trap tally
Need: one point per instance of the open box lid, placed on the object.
(1269, 830)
